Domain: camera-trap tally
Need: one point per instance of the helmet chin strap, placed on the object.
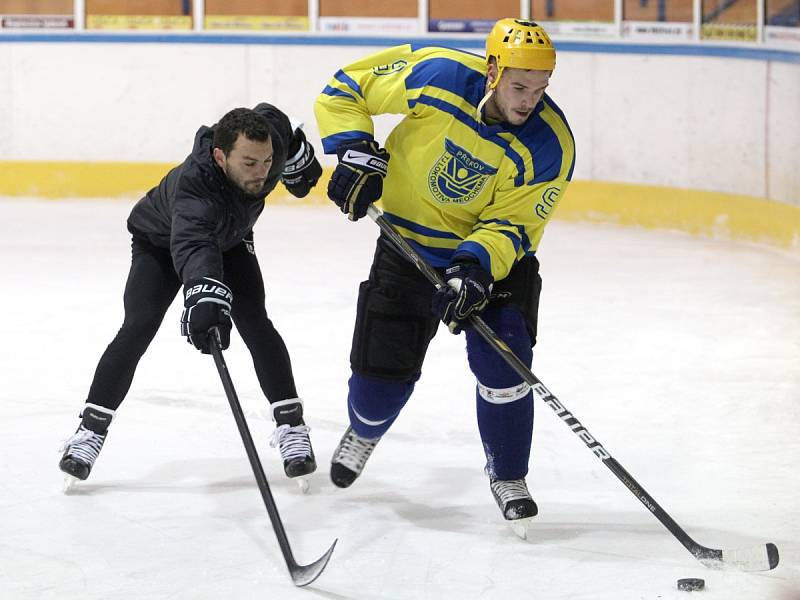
(492, 85)
(483, 102)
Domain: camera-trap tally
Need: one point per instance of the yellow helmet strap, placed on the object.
(494, 83)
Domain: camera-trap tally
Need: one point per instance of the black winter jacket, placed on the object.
(197, 213)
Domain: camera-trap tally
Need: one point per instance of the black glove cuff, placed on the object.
(467, 266)
(298, 162)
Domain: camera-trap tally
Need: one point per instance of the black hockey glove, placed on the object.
(207, 304)
(466, 293)
(302, 170)
(357, 180)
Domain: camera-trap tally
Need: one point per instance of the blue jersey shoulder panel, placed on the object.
(449, 75)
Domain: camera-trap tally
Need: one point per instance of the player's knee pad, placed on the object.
(490, 368)
(373, 403)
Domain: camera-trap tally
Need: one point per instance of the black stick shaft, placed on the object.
(249, 446)
(699, 551)
(301, 574)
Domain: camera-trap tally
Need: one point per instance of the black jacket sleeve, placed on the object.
(194, 240)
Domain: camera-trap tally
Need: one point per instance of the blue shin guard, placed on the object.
(373, 404)
(504, 400)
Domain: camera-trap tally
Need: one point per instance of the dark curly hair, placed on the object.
(246, 121)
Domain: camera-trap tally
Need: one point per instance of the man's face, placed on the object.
(247, 164)
(517, 94)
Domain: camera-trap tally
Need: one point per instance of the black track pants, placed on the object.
(152, 285)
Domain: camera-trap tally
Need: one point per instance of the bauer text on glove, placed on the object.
(207, 305)
(302, 169)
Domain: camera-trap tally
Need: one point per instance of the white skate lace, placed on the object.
(354, 450)
(510, 489)
(292, 442)
(84, 445)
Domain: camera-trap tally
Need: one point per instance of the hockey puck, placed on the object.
(691, 584)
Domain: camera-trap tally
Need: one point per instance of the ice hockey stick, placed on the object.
(758, 558)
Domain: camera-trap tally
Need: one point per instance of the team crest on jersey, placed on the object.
(458, 177)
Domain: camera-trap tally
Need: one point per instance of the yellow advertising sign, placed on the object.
(256, 23)
(729, 32)
(118, 22)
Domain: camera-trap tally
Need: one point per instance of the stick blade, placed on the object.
(757, 558)
(754, 558)
(302, 575)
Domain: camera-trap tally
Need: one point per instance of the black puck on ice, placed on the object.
(691, 584)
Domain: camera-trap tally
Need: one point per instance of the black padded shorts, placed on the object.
(394, 324)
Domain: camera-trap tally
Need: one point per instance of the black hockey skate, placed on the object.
(83, 447)
(515, 502)
(350, 457)
(291, 439)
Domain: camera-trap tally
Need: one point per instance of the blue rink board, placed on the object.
(703, 49)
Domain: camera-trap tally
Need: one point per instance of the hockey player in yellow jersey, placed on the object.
(469, 177)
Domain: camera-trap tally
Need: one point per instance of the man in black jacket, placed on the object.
(196, 229)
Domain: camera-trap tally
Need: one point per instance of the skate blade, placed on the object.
(69, 483)
(521, 527)
(302, 483)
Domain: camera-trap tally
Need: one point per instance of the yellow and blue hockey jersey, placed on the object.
(455, 183)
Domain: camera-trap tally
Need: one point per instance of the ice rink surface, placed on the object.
(681, 355)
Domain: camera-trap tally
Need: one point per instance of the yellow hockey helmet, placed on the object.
(520, 45)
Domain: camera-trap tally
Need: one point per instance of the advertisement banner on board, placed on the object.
(585, 29)
(784, 36)
(369, 25)
(460, 25)
(139, 22)
(37, 22)
(657, 30)
(256, 23)
(729, 32)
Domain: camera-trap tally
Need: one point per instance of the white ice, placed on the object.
(681, 355)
